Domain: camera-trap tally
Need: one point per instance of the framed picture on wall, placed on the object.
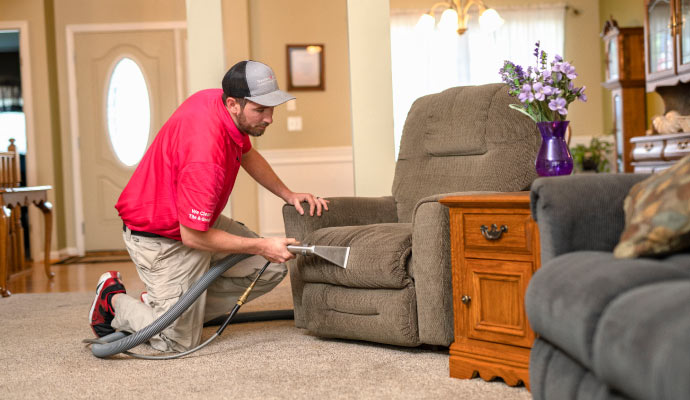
(305, 67)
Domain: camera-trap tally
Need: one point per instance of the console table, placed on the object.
(495, 251)
(11, 232)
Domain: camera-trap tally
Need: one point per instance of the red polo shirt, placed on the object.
(187, 174)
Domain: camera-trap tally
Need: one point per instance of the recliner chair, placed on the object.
(397, 285)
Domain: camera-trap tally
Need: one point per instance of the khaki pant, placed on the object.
(168, 268)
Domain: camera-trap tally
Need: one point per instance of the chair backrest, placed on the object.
(9, 167)
(464, 139)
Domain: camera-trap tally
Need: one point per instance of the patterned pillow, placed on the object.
(657, 214)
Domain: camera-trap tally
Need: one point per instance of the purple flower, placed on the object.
(526, 95)
(581, 94)
(557, 58)
(519, 71)
(541, 91)
(558, 104)
(568, 70)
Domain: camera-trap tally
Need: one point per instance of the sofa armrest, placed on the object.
(580, 212)
(342, 211)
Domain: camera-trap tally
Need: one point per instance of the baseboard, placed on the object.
(64, 253)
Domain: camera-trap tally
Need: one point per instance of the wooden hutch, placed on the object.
(625, 78)
(667, 56)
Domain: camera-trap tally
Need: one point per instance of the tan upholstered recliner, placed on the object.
(397, 285)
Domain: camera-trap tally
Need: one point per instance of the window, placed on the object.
(128, 112)
(424, 64)
(13, 125)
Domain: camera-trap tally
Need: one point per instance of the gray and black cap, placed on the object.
(255, 82)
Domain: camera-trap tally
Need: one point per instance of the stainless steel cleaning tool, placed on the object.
(336, 254)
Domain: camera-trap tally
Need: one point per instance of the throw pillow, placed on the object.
(657, 214)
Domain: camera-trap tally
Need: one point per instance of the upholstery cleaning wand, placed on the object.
(119, 342)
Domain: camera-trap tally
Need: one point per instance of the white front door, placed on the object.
(151, 57)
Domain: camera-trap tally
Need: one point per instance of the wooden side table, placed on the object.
(495, 251)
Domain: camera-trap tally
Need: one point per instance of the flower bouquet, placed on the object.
(545, 91)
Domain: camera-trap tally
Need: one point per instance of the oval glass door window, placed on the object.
(128, 112)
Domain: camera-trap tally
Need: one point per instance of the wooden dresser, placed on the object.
(657, 152)
(495, 251)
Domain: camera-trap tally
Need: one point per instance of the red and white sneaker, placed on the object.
(144, 297)
(102, 313)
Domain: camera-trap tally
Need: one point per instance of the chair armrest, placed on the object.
(342, 211)
(430, 268)
(580, 212)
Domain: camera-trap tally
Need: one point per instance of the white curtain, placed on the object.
(424, 64)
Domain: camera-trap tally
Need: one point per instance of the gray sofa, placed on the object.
(397, 286)
(607, 328)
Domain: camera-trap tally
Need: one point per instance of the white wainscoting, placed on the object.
(323, 171)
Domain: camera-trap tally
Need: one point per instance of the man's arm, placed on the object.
(259, 169)
(216, 240)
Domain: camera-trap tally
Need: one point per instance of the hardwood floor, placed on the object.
(73, 278)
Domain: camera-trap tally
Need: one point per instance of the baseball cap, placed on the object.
(255, 82)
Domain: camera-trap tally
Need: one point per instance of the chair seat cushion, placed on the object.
(379, 255)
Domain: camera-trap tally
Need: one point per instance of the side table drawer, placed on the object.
(504, 233)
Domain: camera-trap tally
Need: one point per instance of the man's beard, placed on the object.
(250, 130)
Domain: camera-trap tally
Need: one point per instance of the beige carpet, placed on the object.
(41, 357)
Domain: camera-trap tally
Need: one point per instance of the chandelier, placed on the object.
(455, 17)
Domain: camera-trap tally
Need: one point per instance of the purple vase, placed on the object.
(554, 156)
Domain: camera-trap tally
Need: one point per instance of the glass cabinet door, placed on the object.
(660, 40)
(612, 54)
(618, 131)
(684, 34)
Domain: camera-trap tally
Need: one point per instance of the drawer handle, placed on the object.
(494, 233)
(683, 145)
(465, 299)
(648, 146)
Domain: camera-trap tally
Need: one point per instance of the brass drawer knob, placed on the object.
(465, 299)
(494, 233)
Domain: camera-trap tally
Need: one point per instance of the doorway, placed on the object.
(12, 115)
(125, 81)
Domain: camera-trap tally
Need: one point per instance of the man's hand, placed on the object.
(314, 202)
(275, 249)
